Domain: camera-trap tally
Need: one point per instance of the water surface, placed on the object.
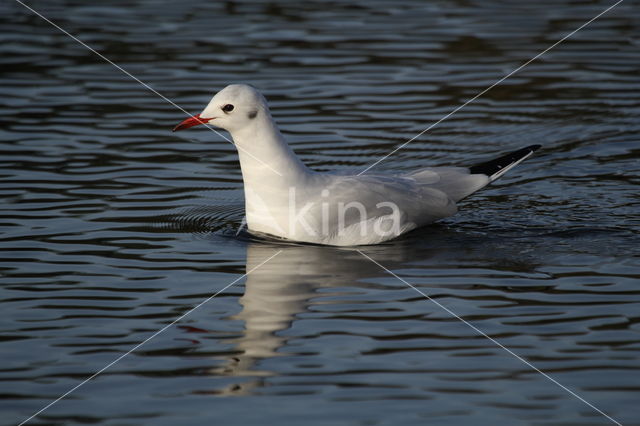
(112, 226)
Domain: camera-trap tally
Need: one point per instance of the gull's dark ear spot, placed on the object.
(252, 114)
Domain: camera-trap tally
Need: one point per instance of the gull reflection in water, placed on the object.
(281, 289)
(277, 292)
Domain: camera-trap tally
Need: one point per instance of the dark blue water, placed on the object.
(112, 226)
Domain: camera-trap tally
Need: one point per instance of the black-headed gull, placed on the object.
(286, 199)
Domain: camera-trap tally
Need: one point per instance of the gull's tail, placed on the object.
(460, 182)
(496, 168)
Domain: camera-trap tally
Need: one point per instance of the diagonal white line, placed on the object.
(147, 339)
(140, 81)
(398, 148)
(482, 333)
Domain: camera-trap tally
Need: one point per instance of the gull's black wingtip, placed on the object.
(496, 168)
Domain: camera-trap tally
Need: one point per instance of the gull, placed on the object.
(287, 200)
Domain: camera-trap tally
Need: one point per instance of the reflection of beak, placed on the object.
(191, 121)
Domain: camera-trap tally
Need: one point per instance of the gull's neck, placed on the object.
(265, 156)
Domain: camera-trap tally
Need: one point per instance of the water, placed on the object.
(112, 226)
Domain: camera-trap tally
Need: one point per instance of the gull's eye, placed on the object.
(227, 108)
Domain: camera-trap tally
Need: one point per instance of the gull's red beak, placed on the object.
(190, 122)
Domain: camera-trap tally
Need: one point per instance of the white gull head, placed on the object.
(235, 107)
